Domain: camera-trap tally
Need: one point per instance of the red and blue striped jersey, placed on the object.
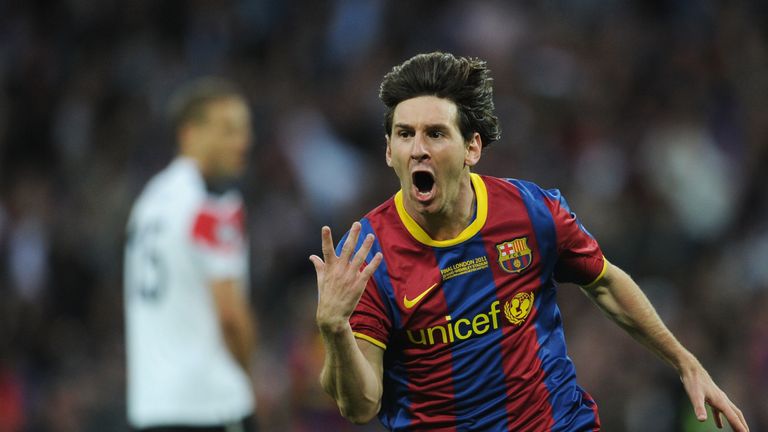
(472, 334)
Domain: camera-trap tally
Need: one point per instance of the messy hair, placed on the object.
(465, 81)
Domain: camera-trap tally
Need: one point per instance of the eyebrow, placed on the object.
(429, 126)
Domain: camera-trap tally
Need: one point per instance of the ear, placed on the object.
(474, 150)
(388, 154)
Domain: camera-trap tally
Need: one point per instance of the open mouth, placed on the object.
(424, 183)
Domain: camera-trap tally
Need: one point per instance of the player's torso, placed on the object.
(159, 264)
(179, 366)
(468, 319)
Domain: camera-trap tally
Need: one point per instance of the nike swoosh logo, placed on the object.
(411, 303)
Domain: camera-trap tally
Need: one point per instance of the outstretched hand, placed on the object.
(703, 391)
(340, 281)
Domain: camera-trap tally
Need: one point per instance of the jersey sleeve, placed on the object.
(370, 320)
(580, 259)
(219, 241)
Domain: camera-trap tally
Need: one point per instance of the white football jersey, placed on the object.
(180, 238)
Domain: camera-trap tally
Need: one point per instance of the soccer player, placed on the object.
(437, 310)
(189, 325)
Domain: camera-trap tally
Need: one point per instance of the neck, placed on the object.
(199, 162)
(453, 218)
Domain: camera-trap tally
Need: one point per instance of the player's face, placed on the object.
(226, 133)
(429, 155)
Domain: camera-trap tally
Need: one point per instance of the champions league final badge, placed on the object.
(514, 255)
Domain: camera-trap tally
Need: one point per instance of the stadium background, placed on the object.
(650, 116)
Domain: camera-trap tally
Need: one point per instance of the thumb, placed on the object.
(318, 263)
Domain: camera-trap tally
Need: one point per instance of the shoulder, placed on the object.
(385, 212)
(179, 182)
(382, 222)
(527, 189)
(175, 191)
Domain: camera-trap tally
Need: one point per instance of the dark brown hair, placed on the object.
(465, 81)
(189, 102)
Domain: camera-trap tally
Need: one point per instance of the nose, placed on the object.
(419, 150)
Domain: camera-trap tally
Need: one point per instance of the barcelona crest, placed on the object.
(514, 255)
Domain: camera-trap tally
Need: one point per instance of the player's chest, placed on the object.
(472, 281)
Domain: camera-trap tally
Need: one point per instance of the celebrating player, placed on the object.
(437, 310)
(189, 327)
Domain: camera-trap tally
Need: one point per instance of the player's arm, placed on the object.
(222, 260)
(624, 302)
(235, 320)
(352, 372)
(352, 375)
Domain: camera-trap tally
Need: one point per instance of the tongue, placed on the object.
(424, 185)
(424, 195)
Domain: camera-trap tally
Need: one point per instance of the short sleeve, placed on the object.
(580, 259)
(370, 320)
(218, 238)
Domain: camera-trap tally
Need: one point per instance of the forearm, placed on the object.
(239, 336)
(348, 376)
(625, 303)
(236, 320)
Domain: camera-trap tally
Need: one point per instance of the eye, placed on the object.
(435, 134)
(402, 133)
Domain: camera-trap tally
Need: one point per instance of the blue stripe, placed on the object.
(478, 373)
(381, 276)
(569, 410)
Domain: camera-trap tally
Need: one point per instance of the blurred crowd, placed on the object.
(650, 116)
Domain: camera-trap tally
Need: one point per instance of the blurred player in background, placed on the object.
(189, 325)
(438, 309)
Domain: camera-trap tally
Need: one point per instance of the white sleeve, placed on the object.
(219, 241)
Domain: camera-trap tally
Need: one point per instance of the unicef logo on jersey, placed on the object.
(516, 310)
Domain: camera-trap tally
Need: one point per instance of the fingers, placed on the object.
(723, 406)
(328, 251)
(347, 249)
(697, 400)
(318, 263)
(371, 267)
(702, 391)
(350, 242)
(359, 257)
(735, 418)
(717, 414)
(743, 420)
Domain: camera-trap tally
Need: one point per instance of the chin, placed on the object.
(427, 208)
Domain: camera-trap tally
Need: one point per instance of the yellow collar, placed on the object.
(419, 234)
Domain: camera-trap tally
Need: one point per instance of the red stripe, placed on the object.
(594, 409)
(429, 367)
(528, 407)
(582, 261)
(430, 371)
